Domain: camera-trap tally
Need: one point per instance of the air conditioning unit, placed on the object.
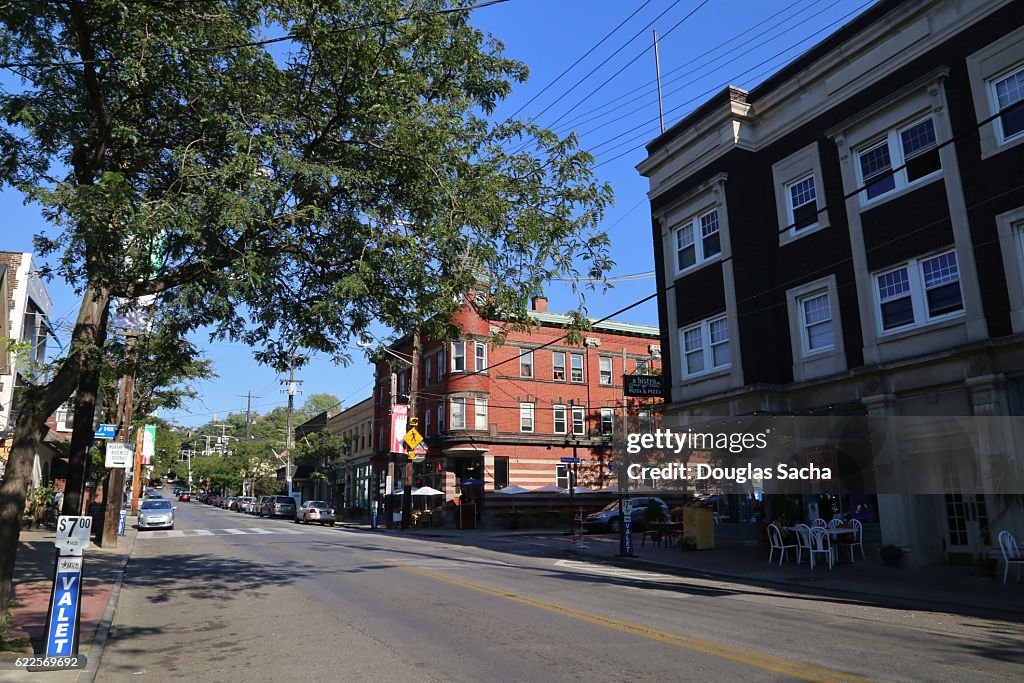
(592, 342)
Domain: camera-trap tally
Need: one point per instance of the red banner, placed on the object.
(399, 418)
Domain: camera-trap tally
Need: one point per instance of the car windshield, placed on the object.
(316, 504)
(156, 505)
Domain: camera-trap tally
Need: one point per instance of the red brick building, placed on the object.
(507, 414)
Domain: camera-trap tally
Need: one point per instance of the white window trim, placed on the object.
(821, 363)
(565, 419)
(440, 365)
(611, 370)
(454, 402)
(805, 337)
(583, 368)
(581, 412)
(800, 164)
(527, 409)
(456, 355)
(480, 354)
(565, 476)
(426, 423)
(984, 67)
(610, 414)
(705, 331)
(918, 297)
(700, 260)
(990, 86)
(791, 210)
(523, 353)
(440, 418)
(565, 371)
(891, 136)
(481, 411)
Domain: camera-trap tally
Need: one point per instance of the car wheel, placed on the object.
(615, 525)
(170, 528)
(332, 523)
(296, 520)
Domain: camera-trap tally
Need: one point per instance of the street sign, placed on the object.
(417, 456)
(413, 438)
(627, 525)
(570, 461)
(105, 432)
(119, 454)
(73, 534)
(62, 626)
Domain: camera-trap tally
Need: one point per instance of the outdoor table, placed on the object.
(833, 532)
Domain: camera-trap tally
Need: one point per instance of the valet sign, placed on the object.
(62, 623)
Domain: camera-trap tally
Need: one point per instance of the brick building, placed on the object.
(507, 414)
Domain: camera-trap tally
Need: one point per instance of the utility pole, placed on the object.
(390, 482)
(248, 412)
(113, 498)
(661, 106)
(293, 388)
(414, 378)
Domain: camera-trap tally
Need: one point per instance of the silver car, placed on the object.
(315, 511)
(156, 513)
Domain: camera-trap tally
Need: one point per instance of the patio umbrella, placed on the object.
(512, 490)
(472, 482)
(549, 488)
(427, 491)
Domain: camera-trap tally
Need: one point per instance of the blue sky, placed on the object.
(614, 110)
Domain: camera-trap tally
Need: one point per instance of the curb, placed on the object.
(99, 640)
(890, 601)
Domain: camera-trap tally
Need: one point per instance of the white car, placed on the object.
(156, 513)
(315, 511)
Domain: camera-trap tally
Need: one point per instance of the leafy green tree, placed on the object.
(286, 189)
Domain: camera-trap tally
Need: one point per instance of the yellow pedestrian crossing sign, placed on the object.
(413, 438)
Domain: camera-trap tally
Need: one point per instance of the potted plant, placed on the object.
(892, 555)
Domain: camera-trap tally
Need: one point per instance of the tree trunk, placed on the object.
(34, 407)
(82, 432)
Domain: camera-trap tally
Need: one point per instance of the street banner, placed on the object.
(148, 444)
(399, 417)
(62, 623)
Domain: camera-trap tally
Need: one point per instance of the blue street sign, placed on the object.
(627, 527)
(571, 461)
(105, 432)
(62, 629)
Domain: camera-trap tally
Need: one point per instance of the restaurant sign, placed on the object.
(643, 385)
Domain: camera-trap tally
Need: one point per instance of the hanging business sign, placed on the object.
(643, 385)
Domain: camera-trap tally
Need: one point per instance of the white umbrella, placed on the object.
(427, 491)
(579, 489)
(512, 489)
(549, 488)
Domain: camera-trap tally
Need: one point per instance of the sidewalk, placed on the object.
(102, 571)
(949, 588)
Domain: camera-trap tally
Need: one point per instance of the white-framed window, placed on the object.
(643, 420)
(705, 347)
(558, 366)
(401, 383)
(562, 476)
(525, 363)
(481, 413)
(458, 413)
(579, 421)
(802, 203)
(428, 368)
(440, 366)
(697, 240)
(817, 330)
(606, 370)
(481, 357)
(918, 292)
(526, 417)
(914, 145)
(459, 356)
(607, 421)
(560, 420)
(440, 418)
(1005, 91)
(65, 417)
(426, 423)
(575, 367)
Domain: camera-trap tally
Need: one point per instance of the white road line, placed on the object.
(202, 532)
(233, 531)
(258, 530)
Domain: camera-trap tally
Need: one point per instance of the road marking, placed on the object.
(234, 531)
(788, 667)
(167, 533)
(618, 572)
(202, 532)
(258, 530)
(193, 533)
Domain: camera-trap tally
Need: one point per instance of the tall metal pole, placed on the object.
(661, 106)
(414, 378)
(389, 486)
(289, 437)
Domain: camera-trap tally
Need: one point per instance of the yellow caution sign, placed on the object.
(413, 438)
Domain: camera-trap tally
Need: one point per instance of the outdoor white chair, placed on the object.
(803, 541)
(834, 522)
(858, 539)
(822, 544)
(716, 518)
(1011, 553)
(775, 538)
(818, 522)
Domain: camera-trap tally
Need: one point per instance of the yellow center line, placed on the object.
(806, 672)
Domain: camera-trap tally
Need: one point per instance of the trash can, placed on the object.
(122, 522)
(699, 525)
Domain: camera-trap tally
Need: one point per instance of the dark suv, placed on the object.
(277, 506)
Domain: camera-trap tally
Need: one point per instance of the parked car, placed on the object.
(245, 504)
(315, 511)
(185, 496)
(608, 518)
(156, 514)
(278, 506)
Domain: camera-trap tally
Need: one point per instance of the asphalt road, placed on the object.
(238, 598)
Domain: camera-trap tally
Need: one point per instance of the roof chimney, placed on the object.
(540, 304)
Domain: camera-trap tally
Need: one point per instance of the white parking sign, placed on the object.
(73, 534)
(119, 454)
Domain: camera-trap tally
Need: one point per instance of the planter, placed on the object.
(892, 555)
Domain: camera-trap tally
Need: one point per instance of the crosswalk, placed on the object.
(194, 533)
